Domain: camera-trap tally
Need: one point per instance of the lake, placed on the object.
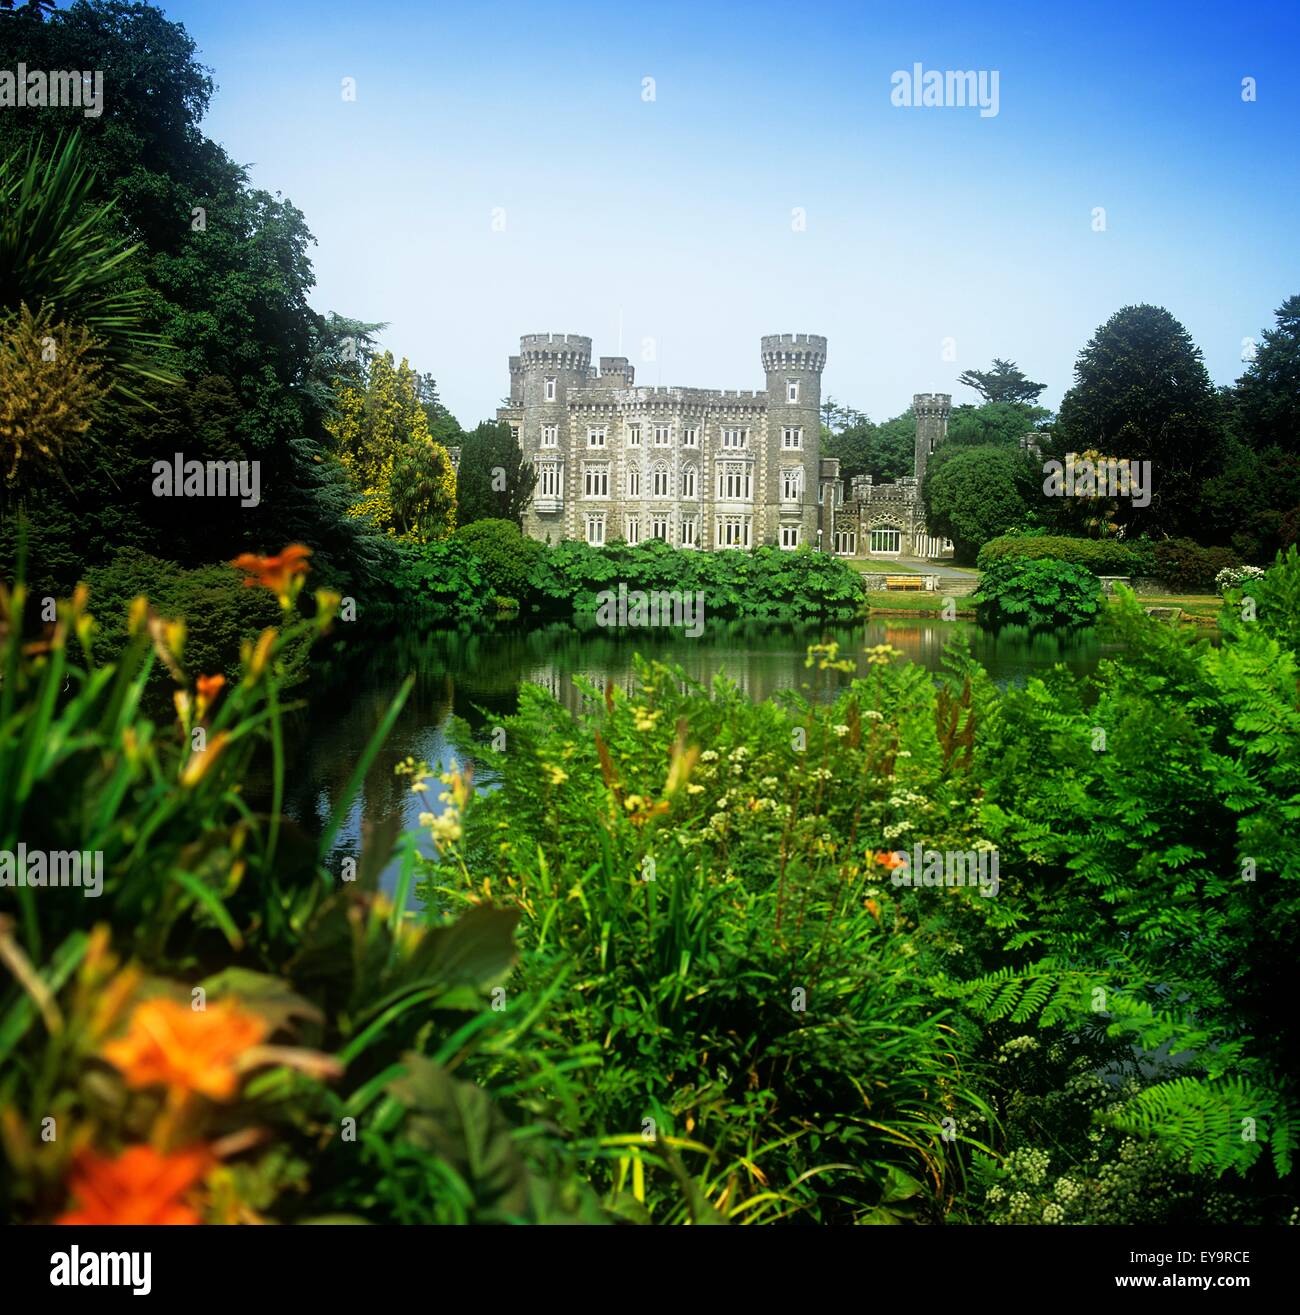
(476, 675)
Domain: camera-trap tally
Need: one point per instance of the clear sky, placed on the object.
(674, 216)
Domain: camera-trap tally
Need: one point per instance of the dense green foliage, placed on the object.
(688, 860)
(1268, 393)
(1101, 556)
(1142, 393)
(973, 494)
(507, 558)
(666, 957)
(767, 583)
(1037, 592)
(220, 612)
(494, 482)
(997, 424)
(1185, 565)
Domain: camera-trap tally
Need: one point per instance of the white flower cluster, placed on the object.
(1233, 577)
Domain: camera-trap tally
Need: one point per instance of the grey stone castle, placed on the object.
(699, 467)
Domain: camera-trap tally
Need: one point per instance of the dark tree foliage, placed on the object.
(1268, 393)
(494, 482)
(1004, 382)
(1142, 393)
(227, 273)
(973, 494)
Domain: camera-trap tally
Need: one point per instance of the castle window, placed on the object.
(689, 526)
(846, 542)
(550, 479)
(595, 530)
(550, 390)
(663, 435)
(633, 530)
(659, 528)
(733, 531)
(792, 485)
(550, 435)
(688, 482)
(735, 438)
(690, 437)
(634, 436)
(886, 540)
(792, 439)
(514, 433)
(660, 482)
(633, 482)
(595, 481)
(792, 390)
(789, 536)
(735, 483)
(596, 436)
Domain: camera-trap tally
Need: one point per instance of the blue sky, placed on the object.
(673, 216)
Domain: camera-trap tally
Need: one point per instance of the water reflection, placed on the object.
(476, 675)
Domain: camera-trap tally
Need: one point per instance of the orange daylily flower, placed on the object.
(137, 1187)
(187, 1050)
(889, 860)
(274, 573)
(208, 688)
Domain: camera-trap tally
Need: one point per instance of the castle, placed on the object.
(700, 467)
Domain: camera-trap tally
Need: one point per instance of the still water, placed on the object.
(476, 675)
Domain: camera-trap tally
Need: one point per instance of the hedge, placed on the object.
(1100, 556)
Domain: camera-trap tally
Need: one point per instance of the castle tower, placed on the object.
(550, 364)
(793, 364)
(932, 412)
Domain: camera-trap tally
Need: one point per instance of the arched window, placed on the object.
(688, 482)
(660, 482)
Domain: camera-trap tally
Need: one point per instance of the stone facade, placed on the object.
(696, 467)
(888, 520)
(704, 468)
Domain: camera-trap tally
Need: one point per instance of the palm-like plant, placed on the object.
(62, 251)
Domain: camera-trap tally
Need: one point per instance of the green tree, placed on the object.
(1002, 424)
(1005, 382)
(893, 451)
(973, 494)
(1268, 393)
(1141, 393)
(853, 445)
(494, 481)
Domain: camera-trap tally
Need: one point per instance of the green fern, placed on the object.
(1215, 1126)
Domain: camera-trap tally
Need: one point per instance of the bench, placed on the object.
(905, 582)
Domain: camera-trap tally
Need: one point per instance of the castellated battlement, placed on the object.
(570, 350)
(599, 393)
(794, 351)
(932, 404)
